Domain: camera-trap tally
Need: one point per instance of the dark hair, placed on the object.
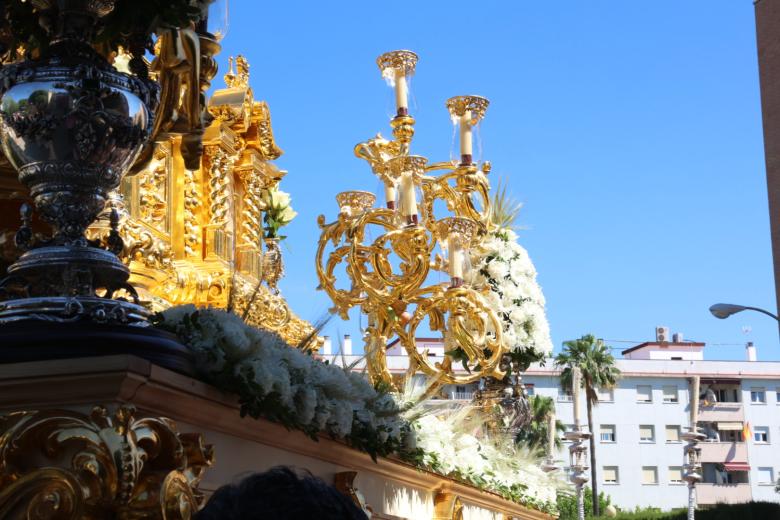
(279, 494)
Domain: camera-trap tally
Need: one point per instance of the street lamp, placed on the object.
(724, 310)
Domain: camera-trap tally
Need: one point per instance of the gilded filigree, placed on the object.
(67, 465)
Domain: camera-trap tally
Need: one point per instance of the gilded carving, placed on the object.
(179, 228)
(60, 464)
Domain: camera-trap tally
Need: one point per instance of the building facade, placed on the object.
(638, 424)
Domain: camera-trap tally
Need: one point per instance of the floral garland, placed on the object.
(287, 386)
(503, 266)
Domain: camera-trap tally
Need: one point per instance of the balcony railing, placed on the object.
(462, 396)
(724, 412)
(723, 493)
(720, 452)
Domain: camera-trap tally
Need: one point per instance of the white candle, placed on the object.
(575, 391)
(552, 435)
(408, 195)
(390, 195)
(694, 401)
(401, 92)
(455, 258)
(465, 134)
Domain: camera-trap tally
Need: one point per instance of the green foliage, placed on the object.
(567, 504)
(536, 435)
(504, 209)
(595, 361)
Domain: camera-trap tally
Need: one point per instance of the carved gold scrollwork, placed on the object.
(60, 464)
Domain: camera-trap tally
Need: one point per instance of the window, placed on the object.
(757, 395)
(649, 475)
(529, 390)
(610, 474)
(761, 434)
(777, 395)
(672, 433)
(646, 433)
(606, 395)
(644, 394)
(675, 475)
(607, 433)
(765, 476)
(670, 394)
(564, 395)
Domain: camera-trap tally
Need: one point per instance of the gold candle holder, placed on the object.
(354, 203)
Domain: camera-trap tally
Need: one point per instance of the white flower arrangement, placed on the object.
(278, 211)
(454, 442)
(503, 266)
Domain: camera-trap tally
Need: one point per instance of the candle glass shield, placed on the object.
(397, 68)
(407, 171)
(218, 19)
(466, 113)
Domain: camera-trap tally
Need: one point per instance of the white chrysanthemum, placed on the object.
(504, 267)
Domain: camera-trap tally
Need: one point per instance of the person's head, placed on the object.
(279, 494)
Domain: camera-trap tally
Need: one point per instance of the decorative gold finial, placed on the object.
(230, 76)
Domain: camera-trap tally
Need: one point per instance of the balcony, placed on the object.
(462, 396)
(720, 452)
(724, 412)
(707, 494)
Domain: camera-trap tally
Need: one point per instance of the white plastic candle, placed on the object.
(455, 258)
(390, 195)
(465, 133)
(401, 91)
(575, 391)
(408, 195)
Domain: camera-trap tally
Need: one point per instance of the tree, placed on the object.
(598, 369)
(535, 435)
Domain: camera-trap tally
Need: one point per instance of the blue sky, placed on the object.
(631, 131)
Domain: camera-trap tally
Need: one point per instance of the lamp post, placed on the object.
(724, 310)
(692, 472)
(578, 451)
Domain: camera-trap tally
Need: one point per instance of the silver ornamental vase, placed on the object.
(72, 126)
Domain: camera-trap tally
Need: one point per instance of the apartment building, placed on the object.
(638, 424)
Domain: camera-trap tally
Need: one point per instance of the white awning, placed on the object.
(726, 426)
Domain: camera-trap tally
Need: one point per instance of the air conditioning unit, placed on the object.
(678, 337)
(662, 334)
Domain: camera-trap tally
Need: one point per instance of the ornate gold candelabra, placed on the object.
(389, 277)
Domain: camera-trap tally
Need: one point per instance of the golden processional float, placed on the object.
(100, 429)
(388, 277)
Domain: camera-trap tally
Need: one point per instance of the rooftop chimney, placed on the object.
(750, 351)
(327, 346)
(346, 347)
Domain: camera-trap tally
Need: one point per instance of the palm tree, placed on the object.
(598, 369)
(535, 434)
